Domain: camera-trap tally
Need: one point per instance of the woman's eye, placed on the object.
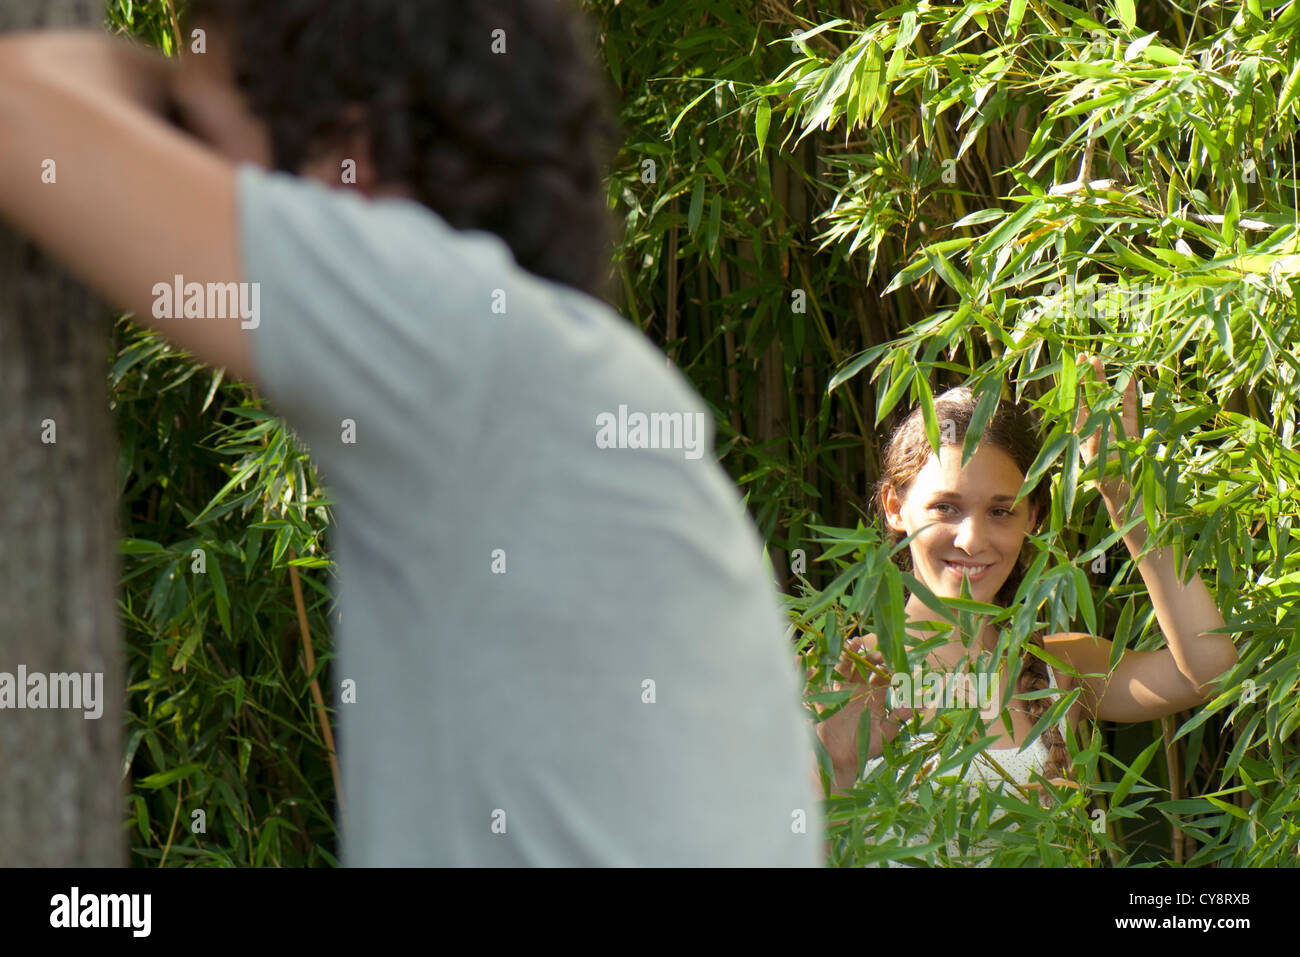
(939, 506)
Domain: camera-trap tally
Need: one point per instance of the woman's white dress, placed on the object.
(1019, 765)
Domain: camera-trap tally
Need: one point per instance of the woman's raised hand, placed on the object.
(1113, 489)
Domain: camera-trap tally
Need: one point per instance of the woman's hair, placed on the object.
(514, 143)
(1014, 429)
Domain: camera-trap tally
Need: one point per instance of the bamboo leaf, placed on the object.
(1014, 16)
(164, 778)
(1134, 49)
(1127, 14)
(220, 595)
(696, 210)
(1134, 773)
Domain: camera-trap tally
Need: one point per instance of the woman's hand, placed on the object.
(839, 733)
(1114, 490)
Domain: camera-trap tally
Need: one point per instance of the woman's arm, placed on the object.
(1186, 612)
(1148, 685)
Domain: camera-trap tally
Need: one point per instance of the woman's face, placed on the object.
(974, 529)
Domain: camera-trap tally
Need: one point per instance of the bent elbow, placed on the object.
(1224, 660)
(1229, 657)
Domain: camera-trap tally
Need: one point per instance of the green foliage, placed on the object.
(220, 717)
(150, 21)
(219, 711)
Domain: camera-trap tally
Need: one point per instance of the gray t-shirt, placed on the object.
(565, 648)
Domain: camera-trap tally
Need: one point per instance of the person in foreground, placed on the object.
(562, 641)
(969, 524)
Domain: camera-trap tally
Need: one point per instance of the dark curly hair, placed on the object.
(1013, 428)
(515, 143)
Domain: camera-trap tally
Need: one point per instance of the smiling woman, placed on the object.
(970, 520)
(966, 528)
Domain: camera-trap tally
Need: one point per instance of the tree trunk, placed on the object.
(61, 797)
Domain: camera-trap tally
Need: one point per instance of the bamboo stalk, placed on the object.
(305, 631)
(1174, 764)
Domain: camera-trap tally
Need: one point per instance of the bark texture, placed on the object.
(61, 793)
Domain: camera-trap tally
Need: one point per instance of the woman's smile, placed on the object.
(971, 570)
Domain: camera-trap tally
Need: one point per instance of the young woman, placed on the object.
(968, 524)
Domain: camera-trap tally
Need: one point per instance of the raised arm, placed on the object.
(94, 174)
(1151, 684)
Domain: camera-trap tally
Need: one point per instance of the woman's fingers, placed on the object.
(1081, 419)
(1099, 372)
(1128, 406)
(1090, 444)
(873, 662)
(853, 653)
(880, 677)
(1131, 407)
